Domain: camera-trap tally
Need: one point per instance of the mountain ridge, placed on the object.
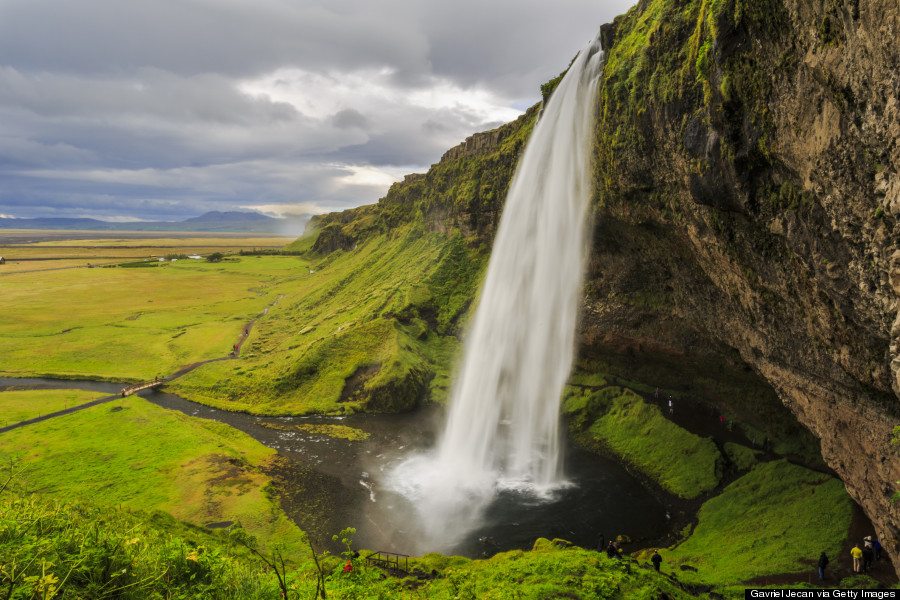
(230, 221)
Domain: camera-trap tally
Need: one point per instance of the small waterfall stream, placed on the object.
(502, 429)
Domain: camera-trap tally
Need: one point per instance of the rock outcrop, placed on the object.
(747, 181)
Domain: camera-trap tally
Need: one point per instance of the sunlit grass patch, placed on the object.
(765, 523)
(21, 405)
(132, 452)
(373, 328)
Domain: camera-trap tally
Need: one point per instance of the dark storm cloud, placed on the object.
(163, 109)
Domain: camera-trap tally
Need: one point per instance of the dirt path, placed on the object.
(245, 333)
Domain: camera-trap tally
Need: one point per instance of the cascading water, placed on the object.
(503, 425)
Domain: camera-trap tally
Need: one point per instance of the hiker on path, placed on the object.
(656, 559)
(876, 546)
(602, 543)
(671, 406)
(868, 554)
(823, 562)
(857, 555)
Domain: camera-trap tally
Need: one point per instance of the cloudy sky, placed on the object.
(165, 109)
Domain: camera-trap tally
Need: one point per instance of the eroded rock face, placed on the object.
(755, 204)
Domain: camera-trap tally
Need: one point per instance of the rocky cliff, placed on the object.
(748, 196)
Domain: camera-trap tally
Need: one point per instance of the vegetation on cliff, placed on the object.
(617, 420)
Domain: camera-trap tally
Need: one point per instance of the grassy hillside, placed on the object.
(618, 419)
(370, 328)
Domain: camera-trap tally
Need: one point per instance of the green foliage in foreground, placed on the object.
(619, 420)
(765, 523)
(50, 549)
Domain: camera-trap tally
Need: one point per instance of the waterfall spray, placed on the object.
(503, 423)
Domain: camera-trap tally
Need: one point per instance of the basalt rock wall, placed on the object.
(747, 199)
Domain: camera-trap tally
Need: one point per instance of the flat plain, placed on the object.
(43, 250)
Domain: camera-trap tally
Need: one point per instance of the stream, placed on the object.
(329, 483)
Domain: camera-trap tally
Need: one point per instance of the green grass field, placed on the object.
(21, 405)
(131, 324)
(72, 253)
(134, 453)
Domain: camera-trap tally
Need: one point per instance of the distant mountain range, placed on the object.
(232, 221)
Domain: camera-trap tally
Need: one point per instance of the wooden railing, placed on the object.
(389, 560)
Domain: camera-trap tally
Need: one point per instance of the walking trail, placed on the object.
(128, 390)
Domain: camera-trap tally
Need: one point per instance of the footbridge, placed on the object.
(139, 387)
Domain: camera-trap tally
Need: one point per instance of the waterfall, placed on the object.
(503, 424)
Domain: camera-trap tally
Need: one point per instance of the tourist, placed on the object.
(602, 543)
(823, 562)
(611, 550)
(656, 559)
(671, 406)
(867, 554)
(348, 568)
(857, 555)
(876, 546)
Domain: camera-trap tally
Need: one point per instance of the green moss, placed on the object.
(618, 419)
(333, 431)
(742, 457)
(775, 519)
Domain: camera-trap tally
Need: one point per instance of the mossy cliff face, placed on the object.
(747, 164)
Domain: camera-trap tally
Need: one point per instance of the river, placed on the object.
(342, 481)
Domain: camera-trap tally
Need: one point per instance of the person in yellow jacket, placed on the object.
(857, 555)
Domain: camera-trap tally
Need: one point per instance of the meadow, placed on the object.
(389, 309)
(131, 324)
(44, 250)
(21, 405)
(133, 453)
